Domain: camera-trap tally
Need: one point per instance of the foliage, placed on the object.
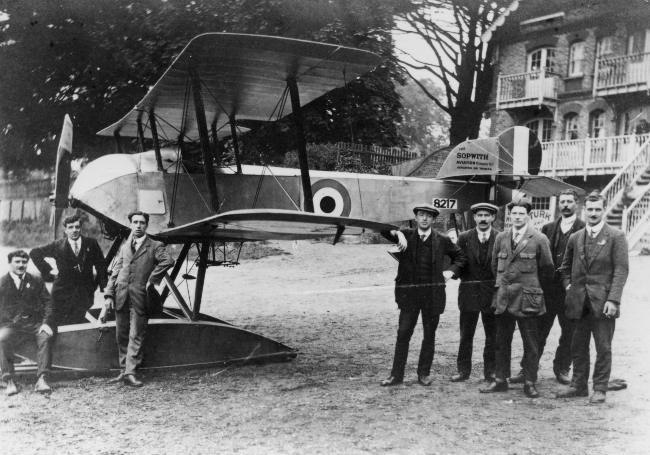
(423, 123)
(328, 157)
(95, 60)
(458, 59)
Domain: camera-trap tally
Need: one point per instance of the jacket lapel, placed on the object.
(523, 242)
(601, 240)
(493, 236)
(143, 248)
(581, 247)
(435, 244)
(556, 232)
(474, 245)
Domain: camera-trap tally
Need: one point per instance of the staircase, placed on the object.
(628, 197)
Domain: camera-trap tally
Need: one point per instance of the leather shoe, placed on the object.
(116, 380)
(518, 378)
(42, 386)
(424, 380)
(563, 377)
(495, 387)
(530, 391)
(490, 377)
(129, 379)
(391, 381)
(617, 384)
(572, 392)
(11, 389)
(459, 377)
(597, 398)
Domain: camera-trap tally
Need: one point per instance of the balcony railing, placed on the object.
(589, 156)
(622, 72)
(527, 89)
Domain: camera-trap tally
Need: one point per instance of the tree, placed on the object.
(458, 59)
(95, 60)
(423, 124)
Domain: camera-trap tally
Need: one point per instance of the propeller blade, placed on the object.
(62, 176)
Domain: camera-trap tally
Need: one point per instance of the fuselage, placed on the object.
(112, 186)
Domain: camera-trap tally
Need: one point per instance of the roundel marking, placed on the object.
(331, 198)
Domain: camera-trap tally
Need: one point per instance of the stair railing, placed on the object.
(636, 218)
(615, 189)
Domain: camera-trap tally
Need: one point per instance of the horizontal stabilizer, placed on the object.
(269, 224)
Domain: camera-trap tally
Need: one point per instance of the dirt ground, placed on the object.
(335, 303)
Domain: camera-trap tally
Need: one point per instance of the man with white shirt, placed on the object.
(521, 261)
(26, 310)
(476, 291)
(558, 233)
(594, 272)
(140, 264)
(420, 287)
(74, 285)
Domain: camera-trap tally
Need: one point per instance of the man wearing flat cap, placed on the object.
(476, 291)
(420, 288)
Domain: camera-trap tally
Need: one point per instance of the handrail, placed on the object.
(614, 190)
(622, 70)
(638, 218)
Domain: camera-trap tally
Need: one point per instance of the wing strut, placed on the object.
(206, 151)
(235, 142)
(156, 143)
(200, 278)
(302, 144)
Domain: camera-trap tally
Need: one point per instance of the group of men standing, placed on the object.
(522, 278)
(28, 310)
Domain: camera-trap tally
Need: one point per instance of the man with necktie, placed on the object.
(26, 311)
(420, 288)
(521, 260)
(140, 263)
(594, 272)
(476, 291)
(74, 285)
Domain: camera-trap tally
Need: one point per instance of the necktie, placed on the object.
(422, 237)
(133, 247)
(76, 249)
(484, 238)
(593, 234)
(516, 239)
(21, 286)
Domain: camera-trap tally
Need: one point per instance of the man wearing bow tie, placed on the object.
(140, 263)
(420, 288)
(521, 261)
(476, 291)
(26, 311)
(74, 285)
(594, 272)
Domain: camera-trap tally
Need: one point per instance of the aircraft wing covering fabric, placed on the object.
(244, 75)
(258, 224)
(537, 185)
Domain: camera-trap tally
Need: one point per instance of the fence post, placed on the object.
(554, 164)
(587, 156)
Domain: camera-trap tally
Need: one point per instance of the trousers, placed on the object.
(468, 322)
(12, 335)
(408, 319)
(130, 331)
(506, 323)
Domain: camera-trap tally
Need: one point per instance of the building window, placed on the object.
(543, 129)
(544, 57)
(571, 127)
(638, 43)
(576, 57)
(541, 203)
(597, 124)
(604, 46)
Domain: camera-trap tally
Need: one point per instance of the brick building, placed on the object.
(577, 73)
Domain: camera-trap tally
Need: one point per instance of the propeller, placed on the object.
(62, 176)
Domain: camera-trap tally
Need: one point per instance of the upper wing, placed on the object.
(269, 224)
(245, 76)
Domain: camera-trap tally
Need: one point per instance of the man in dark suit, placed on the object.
(521, 260)
(74, 286)
(594, 272)
(476, 291)
(26, 311)
(558, 233)
(420, 287)
(140, 263)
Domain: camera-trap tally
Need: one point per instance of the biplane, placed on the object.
(217, 80)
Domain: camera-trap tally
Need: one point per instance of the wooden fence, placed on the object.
(372, 155)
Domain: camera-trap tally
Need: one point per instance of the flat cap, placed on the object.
(426, 208)
(484, 206)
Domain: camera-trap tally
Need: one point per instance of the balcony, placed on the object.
(535, 88)
(602, 156)
(627, 74)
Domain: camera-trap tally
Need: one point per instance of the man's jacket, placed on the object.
(27, 306)
(477, 280)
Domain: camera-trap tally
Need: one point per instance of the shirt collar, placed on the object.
(72, 242)
(426, 233)
(597, 228)
(16, 278)
(570, 220)
(480, 233)
(521, 231)
(138, 241)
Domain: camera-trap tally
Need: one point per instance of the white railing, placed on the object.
(626, 177)
(636, 218)
(588, 154)
(535, 86)
(626, 70)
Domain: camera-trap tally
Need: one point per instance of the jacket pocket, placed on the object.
(527, 263)
(532, 301)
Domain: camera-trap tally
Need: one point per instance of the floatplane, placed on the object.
(216, 81)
